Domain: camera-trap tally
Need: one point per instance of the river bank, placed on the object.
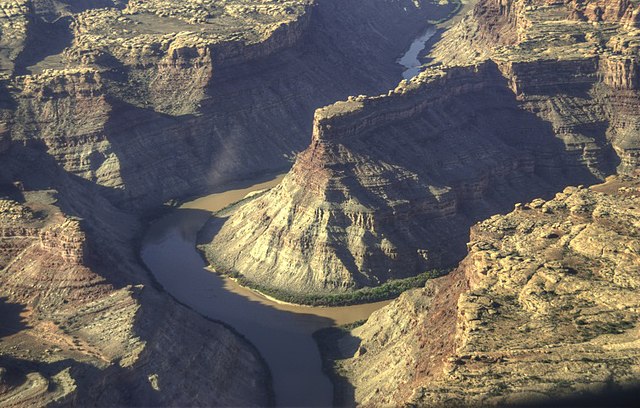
(282, 333)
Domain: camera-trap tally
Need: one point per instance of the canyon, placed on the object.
(75, 331)
(115, 113)
(231, 97)
(534, 98)
(109, 112)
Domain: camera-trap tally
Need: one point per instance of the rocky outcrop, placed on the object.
(128, 104)
(60, 101)
(169, 70)
(600, 11)
(183, 98)
(544, 305)
(70, 335)
(14, 21)
(391, 183)
(382, 179)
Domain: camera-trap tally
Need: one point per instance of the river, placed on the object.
(410, 60)
(280, 332)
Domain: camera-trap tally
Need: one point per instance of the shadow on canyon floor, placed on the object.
(11, 321)
(79, 6)
(337, 344)
(44, 45)
(11, 191)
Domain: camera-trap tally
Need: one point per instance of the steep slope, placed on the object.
(69, 333)
(391, 184)
(187, 97)
(81, 324)
(110, 106)
(545, 305)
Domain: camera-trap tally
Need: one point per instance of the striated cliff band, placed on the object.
(82, 326)
(154, 100)
(521, 99)
(544, 306)
(109, 108)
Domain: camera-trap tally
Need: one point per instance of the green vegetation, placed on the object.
(386, 291)
(353, 325)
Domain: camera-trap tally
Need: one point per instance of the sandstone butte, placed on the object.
(521, 99)
(109, 108)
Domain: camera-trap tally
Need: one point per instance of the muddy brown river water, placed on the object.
(282, 333)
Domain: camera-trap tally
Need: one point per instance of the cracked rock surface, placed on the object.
(544, 305)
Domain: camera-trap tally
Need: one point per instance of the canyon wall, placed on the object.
(543, 309)
(110, 107)
(391, 184)
(177, 99)
(544, 306)
(71, 336)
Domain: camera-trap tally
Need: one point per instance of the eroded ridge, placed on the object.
(73, 331)
(544, 306)
(538, 97)
(154, 99)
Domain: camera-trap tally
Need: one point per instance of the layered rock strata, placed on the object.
(390, 184)
(126, 104)
(185, 97)
(544, 306)
(74, 332)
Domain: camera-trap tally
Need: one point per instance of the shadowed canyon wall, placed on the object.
(153, 103)
(542, 308)
(391, 184)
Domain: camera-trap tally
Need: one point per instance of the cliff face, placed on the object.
(13, 22)
(75, 332)
(125, 104)
(175, 99)
(544, 305)
(390, 184)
